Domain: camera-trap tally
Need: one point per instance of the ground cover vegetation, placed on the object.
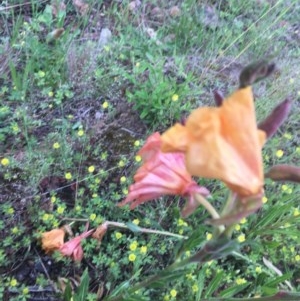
(83, 85)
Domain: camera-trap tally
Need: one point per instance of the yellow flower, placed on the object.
(166, 298)
(25, 291)
(11, 210)
(41, 73)
(13, 282)
(121, 163)
(131, 257)
(284, 187)
(208, 236)
(106, 48)
(15, 230)
(243, 221)
(56, 145)
(241, 238)
(118, 235)
(45, 217)
(296, 212)
(181, 222)
(60, 210)
(136, 221)
(297, 258)
(195, 288)
(175, 97)
(137, 64)
(125, 191)
(105, 105)
(173, 293)
(68, 176)
(138, 158)
(50, 94)
(5, 161)
(288, 136)
(292, 80)
(91, 168)
(279, 153)
(264, 199)
(143, 249)
(180, 231)
(53, 199)
(240, 281)
(93, 216)
(258, 270)
(133, 246)
(237, 227)
(80, 133)
(123, 179)
(137, 143)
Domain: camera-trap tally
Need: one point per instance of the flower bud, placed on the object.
(284, 172)
(276, 118)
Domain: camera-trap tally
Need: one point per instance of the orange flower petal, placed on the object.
(53, 240)
(222, 143)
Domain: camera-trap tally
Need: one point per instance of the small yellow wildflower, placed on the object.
(121, 163)
(50, 94)
(78, 208)
(137, 143)
(133, 246)
(105, 105)
(93, 216)
(296, 212)
(118, 235)
(41, 73)
(173, 293)
(284, 187)
(187, 253)
(264, 199)
(241, 238)
(15, 230)
(138, 64)
(4, 161)
(13, 282)
(56, 145)
(195, 288)
(288, 136)
(237, 227)
(208, 236)
(106, 48)
(45, 217)
(175, 97)
(94, 195)
(11, 210)
(279, 153)
(91, 169)
(239, 281)
(189, 276)
(166, 297)
(138, 158)
(289, 191)
(297, 258)
(123, 179)
(60, 210)
(180, 231)
(53, 199)
(125, 191)
(131, 257)
(181, 222)
(25, 290)
(80, 133)
(68, 176)
(243, 221)
(136, 221)
(258, 270)
(292, 80)
(143, 249)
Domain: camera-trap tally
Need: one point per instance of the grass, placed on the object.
(74, 113)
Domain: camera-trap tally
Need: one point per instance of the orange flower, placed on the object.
(53, 240)
(222, 143)
(73, 247)
(162, 174)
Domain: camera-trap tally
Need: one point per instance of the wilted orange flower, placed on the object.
(162, 174)
(73, 247)
(53, 240)
(222, 143)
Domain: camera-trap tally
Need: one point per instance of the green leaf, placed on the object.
(214, 284)
(133, 227)
(83, 288)
(67, 293)
(231, 291)
(279, 279)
